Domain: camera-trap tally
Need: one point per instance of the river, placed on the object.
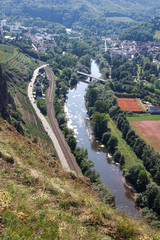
(110, 172)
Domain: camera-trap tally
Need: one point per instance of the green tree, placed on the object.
(74, 79)
(91, 96)
(105, 138)
(156, 206)
(100, 106)
(85, 60)
(132, 173)
(99, 122)
(112, 144)
(142, 181)
(41, 103)
(151, 193)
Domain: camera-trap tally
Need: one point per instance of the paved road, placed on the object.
(64, 146)
(46, 125)
(66, 158)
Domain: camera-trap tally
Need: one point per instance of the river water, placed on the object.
(110, 172)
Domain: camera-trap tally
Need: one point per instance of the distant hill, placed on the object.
(68, 12)
(142, 32)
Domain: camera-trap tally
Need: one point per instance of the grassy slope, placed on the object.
(7, 53)
(157, 35)
(124, 148)
(19, 68)
(40, 201)
(143, 118)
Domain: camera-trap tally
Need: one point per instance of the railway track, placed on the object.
(64, 146)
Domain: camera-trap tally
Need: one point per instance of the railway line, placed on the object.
(64, 146)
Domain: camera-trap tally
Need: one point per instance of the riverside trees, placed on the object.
(142, 175)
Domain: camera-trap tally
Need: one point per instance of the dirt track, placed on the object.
(64, 147)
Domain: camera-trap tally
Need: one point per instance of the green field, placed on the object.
(7, 53)
(129, 155)
(157, 35)
(143, 118)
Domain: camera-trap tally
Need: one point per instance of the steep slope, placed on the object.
(40, 201)
(17, 72)
(5, 98)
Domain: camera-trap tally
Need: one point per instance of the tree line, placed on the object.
(145, 175)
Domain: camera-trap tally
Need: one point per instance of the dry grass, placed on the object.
(149, 131)
(38, 200)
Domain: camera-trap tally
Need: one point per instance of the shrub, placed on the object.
(41, 103)
(126, 230)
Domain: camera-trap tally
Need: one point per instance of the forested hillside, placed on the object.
(84, 12)
(142, 32)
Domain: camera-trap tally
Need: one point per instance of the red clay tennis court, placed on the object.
(129, 104)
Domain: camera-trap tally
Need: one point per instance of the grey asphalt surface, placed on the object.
(64, 153)
(45, 123)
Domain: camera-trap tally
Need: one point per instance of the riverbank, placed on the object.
(110, 173)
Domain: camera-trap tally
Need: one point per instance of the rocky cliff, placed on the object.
(5, 97)
(7, 104)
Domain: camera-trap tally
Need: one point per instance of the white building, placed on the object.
(15, 29)
(3, 23)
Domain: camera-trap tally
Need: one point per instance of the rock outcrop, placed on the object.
(4, 97)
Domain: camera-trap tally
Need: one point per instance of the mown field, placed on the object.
(130, 157)
(142, 117)
(149, 131)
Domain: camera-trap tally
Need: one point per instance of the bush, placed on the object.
(126, 230)
(41, 103)
(118, 157)
(112, 144)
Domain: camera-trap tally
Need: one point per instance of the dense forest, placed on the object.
(142, 32)
(82, 13)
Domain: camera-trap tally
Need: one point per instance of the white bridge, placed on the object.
(91, 76)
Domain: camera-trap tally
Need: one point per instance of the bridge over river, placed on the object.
(91, 76)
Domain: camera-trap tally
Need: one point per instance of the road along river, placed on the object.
(45, 124)
(110, 172)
